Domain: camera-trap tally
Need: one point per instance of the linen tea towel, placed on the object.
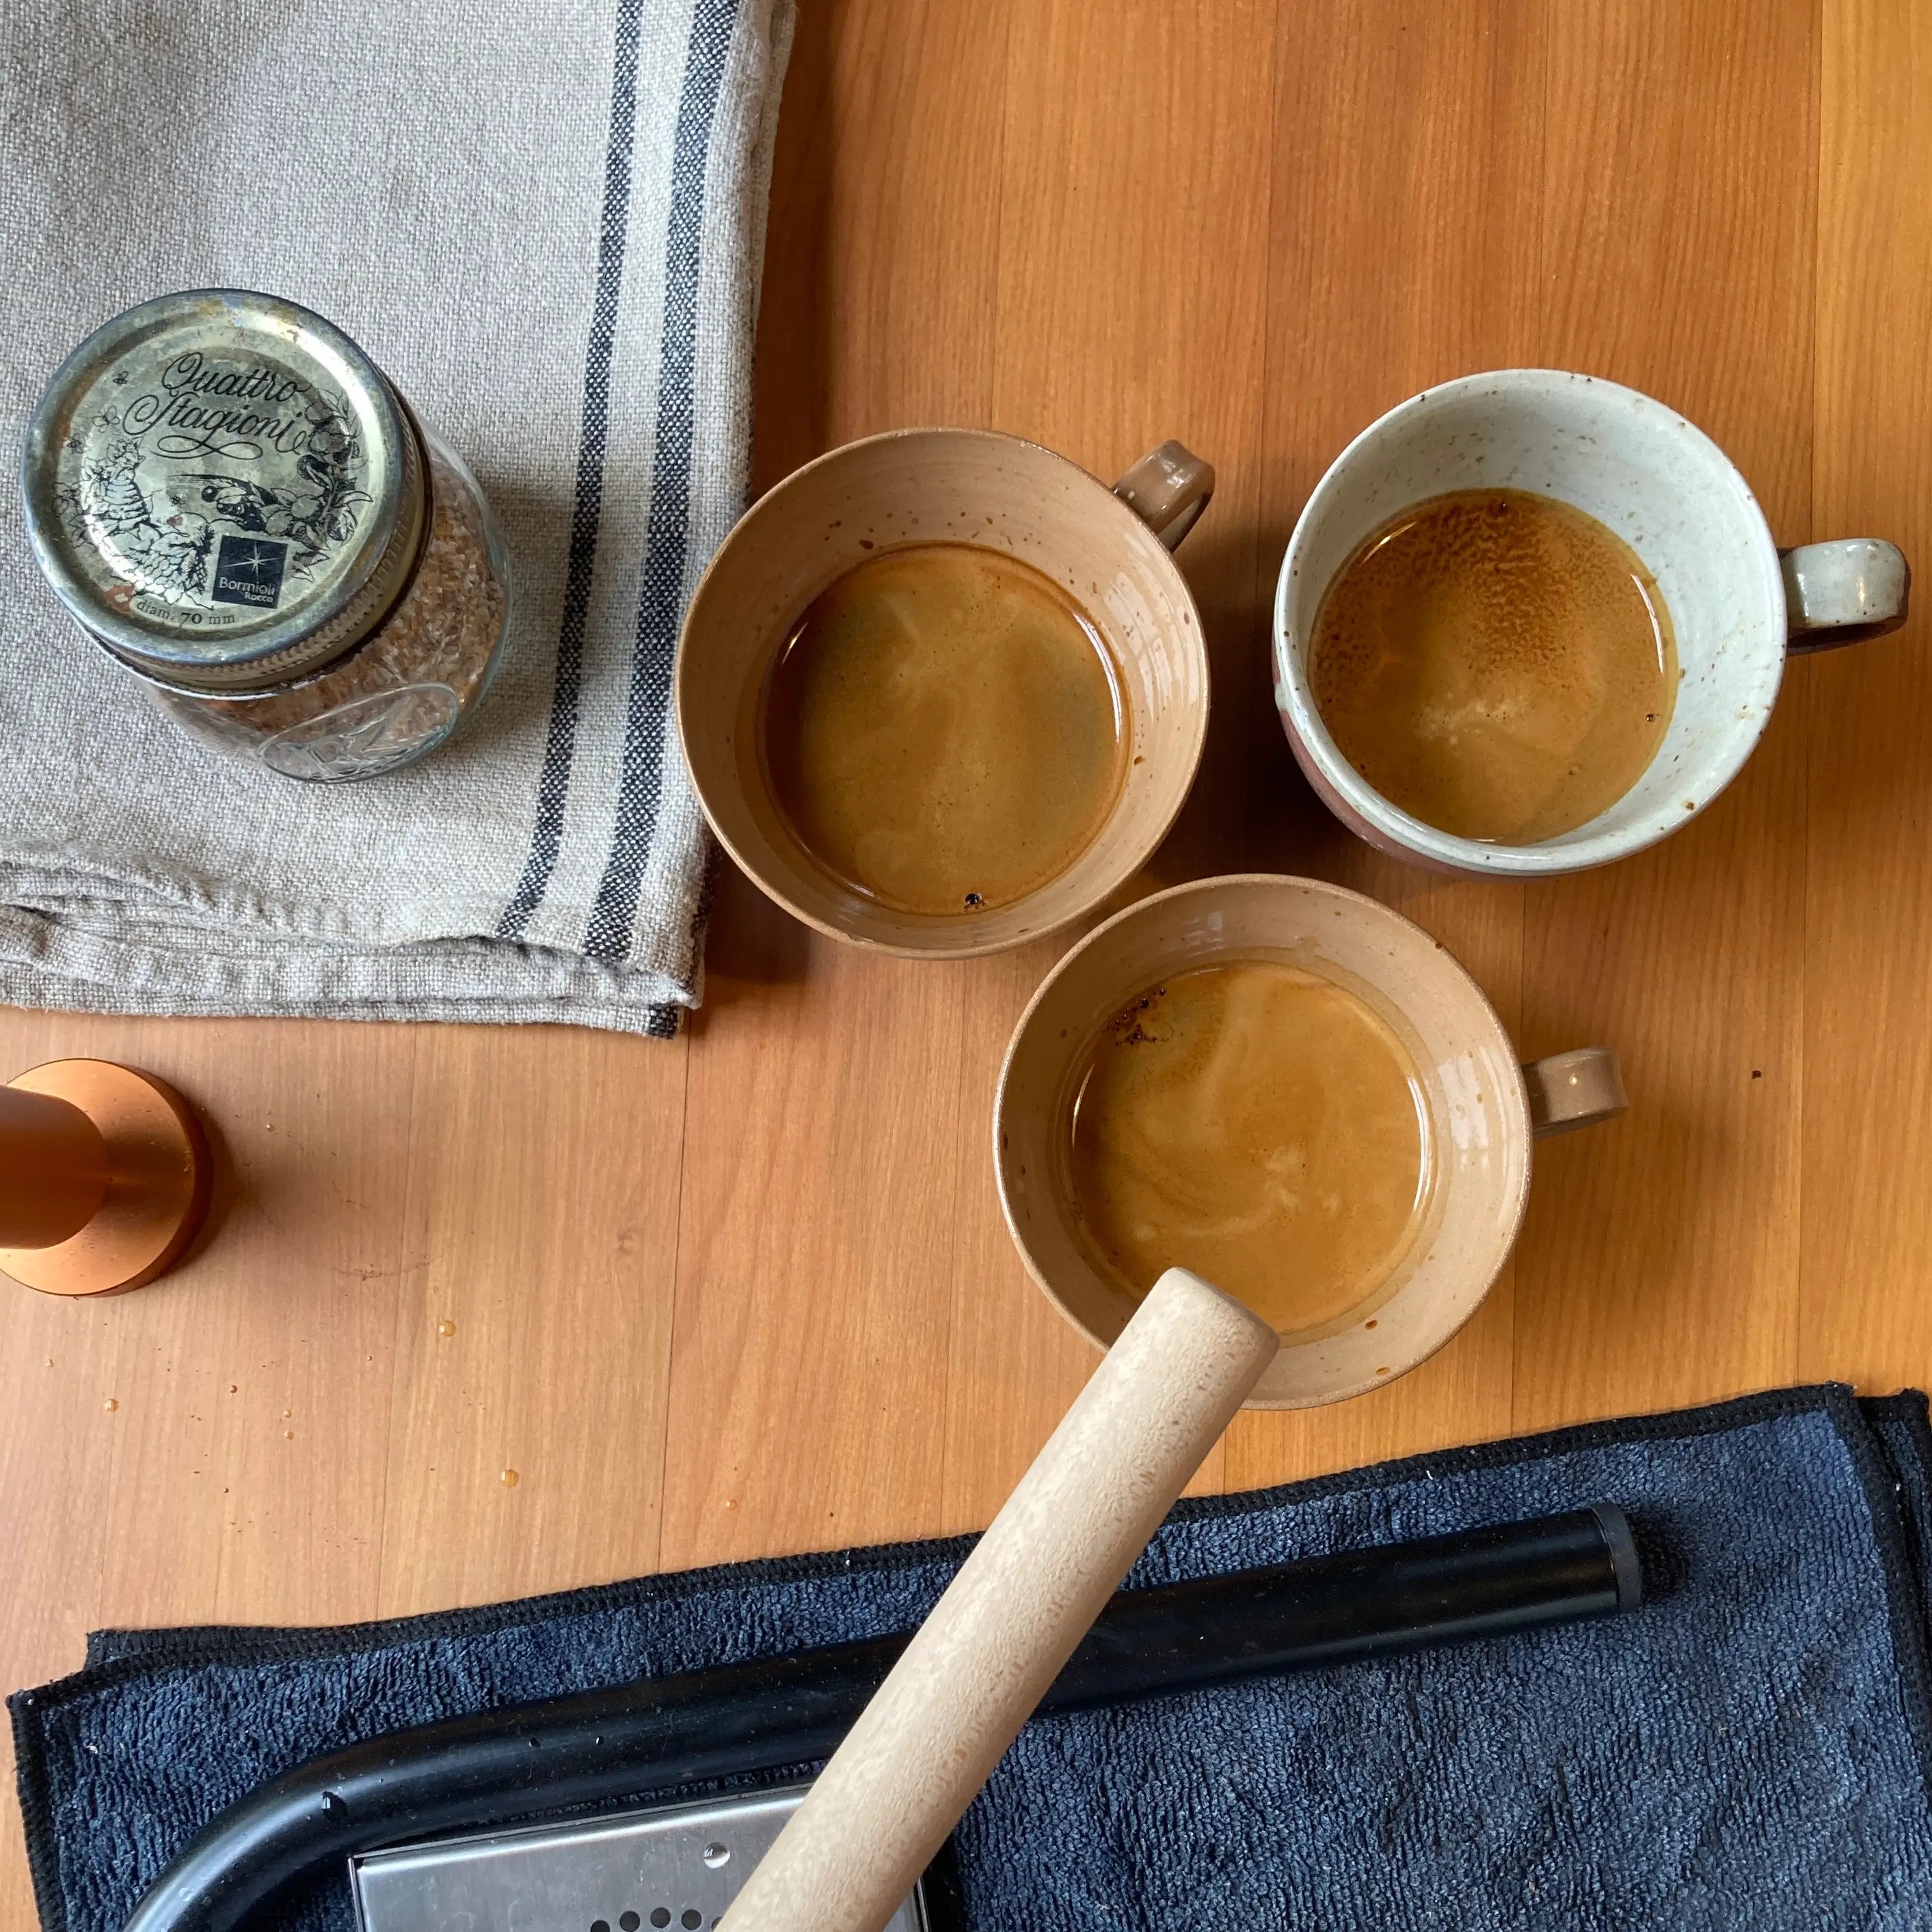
(546, 226)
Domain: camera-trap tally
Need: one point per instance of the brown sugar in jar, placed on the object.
(232, 498)
(407, 684)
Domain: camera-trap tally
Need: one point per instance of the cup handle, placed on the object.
(1167, 489)
(1577, 1089)
(1843, 593)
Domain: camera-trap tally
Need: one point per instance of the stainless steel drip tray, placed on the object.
(673, 1865)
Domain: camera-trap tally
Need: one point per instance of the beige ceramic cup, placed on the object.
(1110, 548)
(1484, 1111)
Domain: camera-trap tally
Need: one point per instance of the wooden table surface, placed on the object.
(748, 1292)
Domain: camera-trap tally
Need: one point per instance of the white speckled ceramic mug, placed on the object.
(1739, 605)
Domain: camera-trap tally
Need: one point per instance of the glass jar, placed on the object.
(232, 499)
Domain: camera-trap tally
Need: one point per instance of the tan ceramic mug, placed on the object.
(1109, 548)
(1483, 1109)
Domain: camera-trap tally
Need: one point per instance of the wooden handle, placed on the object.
(105, 1176)
(53, 1169)
(1011, 1619)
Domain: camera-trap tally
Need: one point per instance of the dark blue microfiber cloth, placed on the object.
(1750, 1750)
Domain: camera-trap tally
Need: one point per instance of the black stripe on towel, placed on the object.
(553, 780)
(658, 605)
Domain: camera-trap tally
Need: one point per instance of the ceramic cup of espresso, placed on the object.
(1290, 1089)
(940, 691)
(1531, 621)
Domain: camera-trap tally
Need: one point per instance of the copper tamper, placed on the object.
(104, 1176)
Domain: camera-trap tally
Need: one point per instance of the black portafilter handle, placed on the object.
(474, 1773)
(1373, 1602)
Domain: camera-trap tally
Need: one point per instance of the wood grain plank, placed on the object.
(1132, 265)
(532, 1335)
(1659, 1264)
(825, 1127)
(1865, 1313)
(240, 1475)
(57, 1444)
(834, 1117)
(312, 1260)
(879, 304)
(770, 1263)
(1403, 249)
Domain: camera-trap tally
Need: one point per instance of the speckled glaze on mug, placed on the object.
(1484, 1110)
(1109, 547)
(1738, 606)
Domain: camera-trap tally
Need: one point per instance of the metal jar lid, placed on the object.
(223, 489)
